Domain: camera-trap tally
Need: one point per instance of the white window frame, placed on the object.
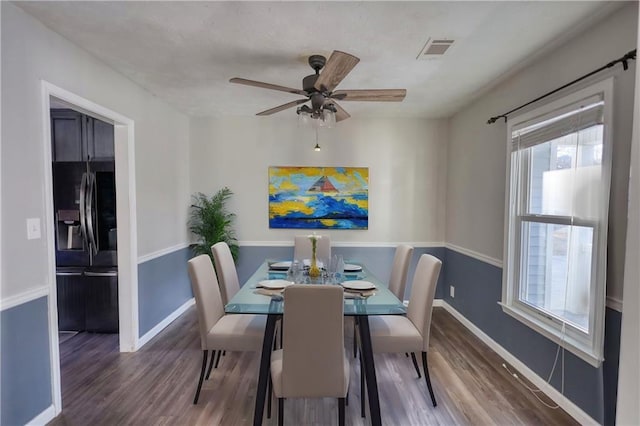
(588, 346)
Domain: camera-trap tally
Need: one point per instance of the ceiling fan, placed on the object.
(318, 88)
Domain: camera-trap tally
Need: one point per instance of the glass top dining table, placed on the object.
(252, 299)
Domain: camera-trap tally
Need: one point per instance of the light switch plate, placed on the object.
(33, 228)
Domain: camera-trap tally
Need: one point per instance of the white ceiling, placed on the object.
(186, 52)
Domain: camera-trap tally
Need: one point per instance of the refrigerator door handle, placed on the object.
(91, 185)
(101, 274)
(83, 209)
(68, 274)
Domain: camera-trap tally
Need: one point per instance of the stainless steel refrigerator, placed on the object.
(84, 195)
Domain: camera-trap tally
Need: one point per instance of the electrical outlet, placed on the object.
(452, 291)
(33, 228)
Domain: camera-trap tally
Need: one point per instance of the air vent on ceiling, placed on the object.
(434, 48)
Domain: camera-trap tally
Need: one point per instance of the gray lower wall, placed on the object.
(479, 289)
(163, 286)
(25, 367)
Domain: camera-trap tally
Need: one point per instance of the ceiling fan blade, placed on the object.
(267, 86)
(378, 95)
(341, 114)
(335, 70)
(282, 107)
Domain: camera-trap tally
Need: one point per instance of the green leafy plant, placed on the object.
(211, 222)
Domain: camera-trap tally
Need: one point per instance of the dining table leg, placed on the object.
(369, 370)
(265, 364)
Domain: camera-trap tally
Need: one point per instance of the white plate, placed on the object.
(280, 265)
(358, 285)
(274, 284)
(350, 267)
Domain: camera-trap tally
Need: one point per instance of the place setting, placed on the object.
(272, 287)
(358, 288)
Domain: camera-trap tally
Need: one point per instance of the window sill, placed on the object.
(569, 343)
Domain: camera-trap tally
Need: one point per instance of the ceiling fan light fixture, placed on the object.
(329, 116)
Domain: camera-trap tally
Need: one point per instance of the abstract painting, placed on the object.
(319, 197)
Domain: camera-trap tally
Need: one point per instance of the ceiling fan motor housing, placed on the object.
(308, 82)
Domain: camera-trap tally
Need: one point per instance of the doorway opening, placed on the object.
(95, 224)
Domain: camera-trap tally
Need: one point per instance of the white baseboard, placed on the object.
(43, 418)
(566, 404)
(162, 324)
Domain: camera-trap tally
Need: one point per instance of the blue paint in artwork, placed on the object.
(341, 213)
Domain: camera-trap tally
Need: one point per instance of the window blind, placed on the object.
(581, 115)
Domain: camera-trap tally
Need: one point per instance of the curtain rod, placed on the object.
(625, 65)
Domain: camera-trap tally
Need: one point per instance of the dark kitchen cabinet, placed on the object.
(79, 137)
(101, 310)
(71, 301)
(87, 300)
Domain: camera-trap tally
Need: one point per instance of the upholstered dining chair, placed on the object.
(312, 362)
(410, 333)
(399, 269)
(302, 248)
(238, 332)
(397, 284)
(225, 270)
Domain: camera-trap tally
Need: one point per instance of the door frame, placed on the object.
(124, 144)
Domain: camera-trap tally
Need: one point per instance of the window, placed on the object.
(556, 219)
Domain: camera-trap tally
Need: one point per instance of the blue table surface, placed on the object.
(249, 299)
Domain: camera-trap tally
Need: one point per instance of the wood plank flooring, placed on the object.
(155, 386)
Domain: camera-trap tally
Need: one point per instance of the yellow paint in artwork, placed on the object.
(284, 207)
(328, 222)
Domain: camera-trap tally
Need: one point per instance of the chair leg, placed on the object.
(341, 410)
(218, 358)
(362, 388)
(205, 354)
(269, 398)
(210, 366)
(428, 380)
(415, 364)
(280, 411)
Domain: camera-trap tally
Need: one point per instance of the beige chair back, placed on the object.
(398, 278)
(423, 291)
(204, 284)
(226, 271)
(313, 360)
(302, 248)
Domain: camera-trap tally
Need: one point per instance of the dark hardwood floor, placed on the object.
(155, 386)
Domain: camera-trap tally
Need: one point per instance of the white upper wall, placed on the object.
(477, 151)
(31, 53)
(405, 157)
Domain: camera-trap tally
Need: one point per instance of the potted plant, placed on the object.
(211, 222)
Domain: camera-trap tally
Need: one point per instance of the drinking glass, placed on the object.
(336, 269)
(294, 273)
